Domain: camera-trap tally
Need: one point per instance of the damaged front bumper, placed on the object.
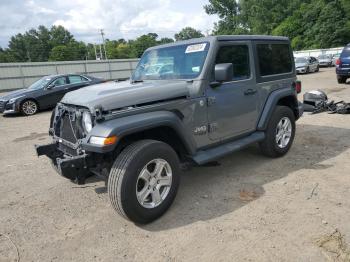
(75, 168)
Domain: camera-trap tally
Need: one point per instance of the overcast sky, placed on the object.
(120, 18)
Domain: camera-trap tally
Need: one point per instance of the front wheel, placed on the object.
(280, 132)
(29, 107)
(143, 181)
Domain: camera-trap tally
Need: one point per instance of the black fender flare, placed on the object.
(271, 103)
(127, 125)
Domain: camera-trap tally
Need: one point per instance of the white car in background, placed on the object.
(305, 65)
(325, 60)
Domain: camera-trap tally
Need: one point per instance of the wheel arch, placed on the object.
(29, 99)
(164, 126)
(285, 97)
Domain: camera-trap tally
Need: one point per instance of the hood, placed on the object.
(14, 94)
(300, 65)
(113, 95)
(324, 59)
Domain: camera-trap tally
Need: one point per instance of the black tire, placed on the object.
(269, 145)
(29, 107)
(341, 79)
(317, 69)
(124, 174)
(307, 70)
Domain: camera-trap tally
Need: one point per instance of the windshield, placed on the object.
(300, 60)
(41, 83)
(346, 52)
(175, 62)
(323, 57)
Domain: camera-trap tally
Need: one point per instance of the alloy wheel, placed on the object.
(283, 132)
(29, 107)
(154, 183)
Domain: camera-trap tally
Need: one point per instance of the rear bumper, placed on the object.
(75, 168)
(343, 71)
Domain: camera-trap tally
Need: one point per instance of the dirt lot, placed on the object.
(250, 208)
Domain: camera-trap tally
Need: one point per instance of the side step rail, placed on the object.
(212, 154)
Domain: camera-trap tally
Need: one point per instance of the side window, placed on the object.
(84, 79)
(60, 81)
(238, 55)
(75, 79)
(274, 59)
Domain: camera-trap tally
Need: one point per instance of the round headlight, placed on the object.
(87, 122)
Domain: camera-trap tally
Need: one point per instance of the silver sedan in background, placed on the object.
(305, 65)
(325, 60)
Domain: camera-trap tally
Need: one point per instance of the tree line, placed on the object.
(308, 23)
(58, 44)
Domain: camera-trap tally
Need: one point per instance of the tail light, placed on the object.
(338, 62)
(298, 86)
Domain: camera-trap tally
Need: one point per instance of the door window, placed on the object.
(274, 59)
(238, 55)
(76, 79)
(60, 81)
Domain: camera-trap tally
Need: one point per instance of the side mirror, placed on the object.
(223, 73)
(50, 86)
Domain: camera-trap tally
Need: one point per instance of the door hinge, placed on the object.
(211, 100)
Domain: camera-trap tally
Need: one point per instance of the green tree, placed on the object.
(229, 12)
(70, 52)
(188, 33)
(140, 44)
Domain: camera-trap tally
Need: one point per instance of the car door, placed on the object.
(232, 106)
(314, 63)
(54, 92)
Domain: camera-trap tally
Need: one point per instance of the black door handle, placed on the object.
(250, 92)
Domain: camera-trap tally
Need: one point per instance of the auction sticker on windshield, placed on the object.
(195, 48)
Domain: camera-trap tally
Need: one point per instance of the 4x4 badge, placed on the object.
(200, 130)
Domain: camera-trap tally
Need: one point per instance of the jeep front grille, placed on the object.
(2, 106)
(68, 125)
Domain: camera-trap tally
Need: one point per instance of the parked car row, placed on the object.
(309, 64)
(44, 93)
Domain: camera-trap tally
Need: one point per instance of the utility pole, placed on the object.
(101, 55)
(95, 51)
(104, 43)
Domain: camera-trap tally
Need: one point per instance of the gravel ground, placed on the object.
(250, 208)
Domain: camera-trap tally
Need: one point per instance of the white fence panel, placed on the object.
(21, 75)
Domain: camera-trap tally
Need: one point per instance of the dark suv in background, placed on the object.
(343, 65)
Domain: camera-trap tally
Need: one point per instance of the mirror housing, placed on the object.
(50, 86)
(223, 72)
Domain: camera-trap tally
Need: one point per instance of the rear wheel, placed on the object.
(341, 79)
(280, 132)
(29, 107)
(317, 69)
(143, 181)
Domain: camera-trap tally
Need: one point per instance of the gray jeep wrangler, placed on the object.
(189, 102)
